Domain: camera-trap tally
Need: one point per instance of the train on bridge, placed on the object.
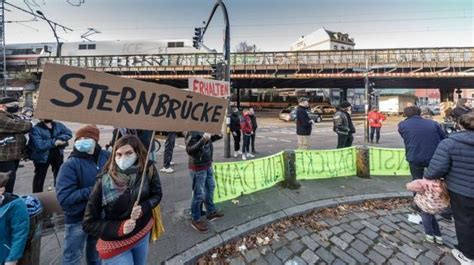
(28, 53)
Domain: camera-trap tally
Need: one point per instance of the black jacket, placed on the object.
(199, 150)
(235, 122)
(343, 123)
(303, 122)
(458, 112)
(454, 160)
(105, 222)
(253, 119)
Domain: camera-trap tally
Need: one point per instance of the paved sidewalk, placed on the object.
(180, 236)
(360, 237)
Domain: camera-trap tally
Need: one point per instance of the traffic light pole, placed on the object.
(227, 67)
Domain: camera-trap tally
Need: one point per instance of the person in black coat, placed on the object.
(111, 213)
(343, 125)
(453, 160)
(253, 119)
(235, 130)
(303, 123)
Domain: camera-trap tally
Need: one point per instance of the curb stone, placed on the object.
(190, 255)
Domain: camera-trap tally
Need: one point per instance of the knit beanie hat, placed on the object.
(89, 131)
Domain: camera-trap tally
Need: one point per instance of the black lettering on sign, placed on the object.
(174, 106)
(63, 83)
(124, 99)
(193, 117)
(161, 108)
(186, 110)
(143, 103)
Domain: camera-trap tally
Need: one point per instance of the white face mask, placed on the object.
(126, 161)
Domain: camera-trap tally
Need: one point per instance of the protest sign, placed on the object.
(320, 164)
(388, 162)
(85, 96)
(209, 87)
(236, 178)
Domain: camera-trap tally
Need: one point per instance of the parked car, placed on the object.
(435, 109)
(289, 114)
(324, 109)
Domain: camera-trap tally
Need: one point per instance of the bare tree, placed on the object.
(245, 47)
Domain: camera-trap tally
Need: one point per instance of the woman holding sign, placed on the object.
(112, 214)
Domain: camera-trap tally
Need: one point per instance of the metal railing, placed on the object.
(379, 56)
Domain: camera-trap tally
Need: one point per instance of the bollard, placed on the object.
(31, 255)
(290, 181)
(363, 162)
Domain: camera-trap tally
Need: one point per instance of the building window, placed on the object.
(178, 44)
(91, 46)
(342, 48)
(82, 46)
(335, 47)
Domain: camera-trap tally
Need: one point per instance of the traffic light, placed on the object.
(197, 39)
(218, 71)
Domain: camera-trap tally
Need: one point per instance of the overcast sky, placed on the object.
(270, 24)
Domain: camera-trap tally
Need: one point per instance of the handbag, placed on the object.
(158, 229)
(434, 200)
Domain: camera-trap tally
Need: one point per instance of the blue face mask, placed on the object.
(85, 145)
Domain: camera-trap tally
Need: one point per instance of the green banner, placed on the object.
(388, 162)
(236, 178)
(320, 164)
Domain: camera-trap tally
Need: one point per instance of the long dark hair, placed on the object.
(137, 146)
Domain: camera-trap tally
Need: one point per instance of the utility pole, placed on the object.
(197, 40)
(2, 49)
(53, 28)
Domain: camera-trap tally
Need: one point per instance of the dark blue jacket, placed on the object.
(454, 160)
(14, 227)
(75, 181)
(41, 140)
(303, 122)
(421, 137)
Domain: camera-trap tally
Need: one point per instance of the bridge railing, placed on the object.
(386, 56)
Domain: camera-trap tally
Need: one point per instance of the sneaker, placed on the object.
(249, 155)
(254, 152)
(167, 170)
(236, 154)
(216, 215)
(200, 226)
(430, 238)
(439, 240)
(172, 163)
(461, 258)
(244, 157)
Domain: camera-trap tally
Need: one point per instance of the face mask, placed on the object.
(85, 145)
(126, 161)
(13, 109)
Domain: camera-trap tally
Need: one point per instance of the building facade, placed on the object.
(323, 39)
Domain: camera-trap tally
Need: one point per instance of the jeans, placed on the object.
(12, 166)
(134, 256)
(246, 146)
(203, 192)
(376, 131)
(169, 146)
(344, 141)
(41, 170)
(430, 224)
(463, 213)
(236, 140)
(252, 141)
(74, 239)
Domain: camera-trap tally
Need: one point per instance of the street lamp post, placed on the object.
(220, 3)
(58, 47)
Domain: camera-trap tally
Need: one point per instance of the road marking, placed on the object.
(271, 138)
(286, 141)
(181, 146)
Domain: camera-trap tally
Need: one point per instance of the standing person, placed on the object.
(143, 135)
(75, 181)
(421, 137)
(123, 228)
(14, 225)
(235, 129)
(427, 113)
(247, 131)
(253, 118)
(453, 160)
(48, 139)
(303, 123)
(462, 107)
(375, 122)
(14, 128)
(343, 125)
(200, 150)
(168, 153)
